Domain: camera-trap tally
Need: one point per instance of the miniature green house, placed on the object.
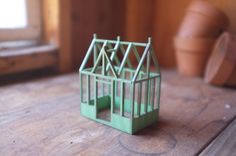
(119, 86)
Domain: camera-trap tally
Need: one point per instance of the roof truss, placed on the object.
(106, 52)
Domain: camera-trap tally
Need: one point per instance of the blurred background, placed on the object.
(39, 34)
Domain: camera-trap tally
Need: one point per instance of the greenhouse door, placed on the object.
(105, 100)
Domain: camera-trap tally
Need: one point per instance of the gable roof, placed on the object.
(107, 60)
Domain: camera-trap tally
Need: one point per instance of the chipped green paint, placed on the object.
(128, 93)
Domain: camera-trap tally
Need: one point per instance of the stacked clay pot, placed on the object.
(201, 26)
(221, 67)
(192, 54)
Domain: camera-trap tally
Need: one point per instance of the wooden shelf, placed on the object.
(29, 58)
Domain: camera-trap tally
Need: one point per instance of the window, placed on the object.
(10, 21)
(20, 20)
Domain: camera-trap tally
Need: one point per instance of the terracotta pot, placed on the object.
(192, 55)
(202, 19)
(194, 44)
(221, 67)
(232, 79)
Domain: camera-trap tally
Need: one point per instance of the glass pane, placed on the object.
(13, 14)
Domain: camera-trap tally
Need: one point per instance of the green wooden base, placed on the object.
(118, 121)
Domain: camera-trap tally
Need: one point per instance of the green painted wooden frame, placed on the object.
(141, 107)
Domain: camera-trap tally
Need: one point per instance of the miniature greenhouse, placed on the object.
(120, 84)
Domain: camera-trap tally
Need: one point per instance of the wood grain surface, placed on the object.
(224, 144)
(42, 117)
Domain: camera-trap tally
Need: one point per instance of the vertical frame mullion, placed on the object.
(103, 73)
(103, 65)
(132, 100)
(146, 97)
(95, 95)
(88, 89)
(81, 88)
(153, 93)
(148, 81)
(158, 93)
(149, 92)
(122, 93)
(112, 96)
(95, 54)
(139, 98)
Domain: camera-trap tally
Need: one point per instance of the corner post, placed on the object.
(95, 53)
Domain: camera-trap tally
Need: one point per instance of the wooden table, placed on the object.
(42, 117)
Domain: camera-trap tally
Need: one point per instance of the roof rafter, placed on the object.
(114, 52)
(106, 62)
(111, 66)
(137, 55)
(126, 54)
(99, 57)
(141, 62)
(87, 55)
